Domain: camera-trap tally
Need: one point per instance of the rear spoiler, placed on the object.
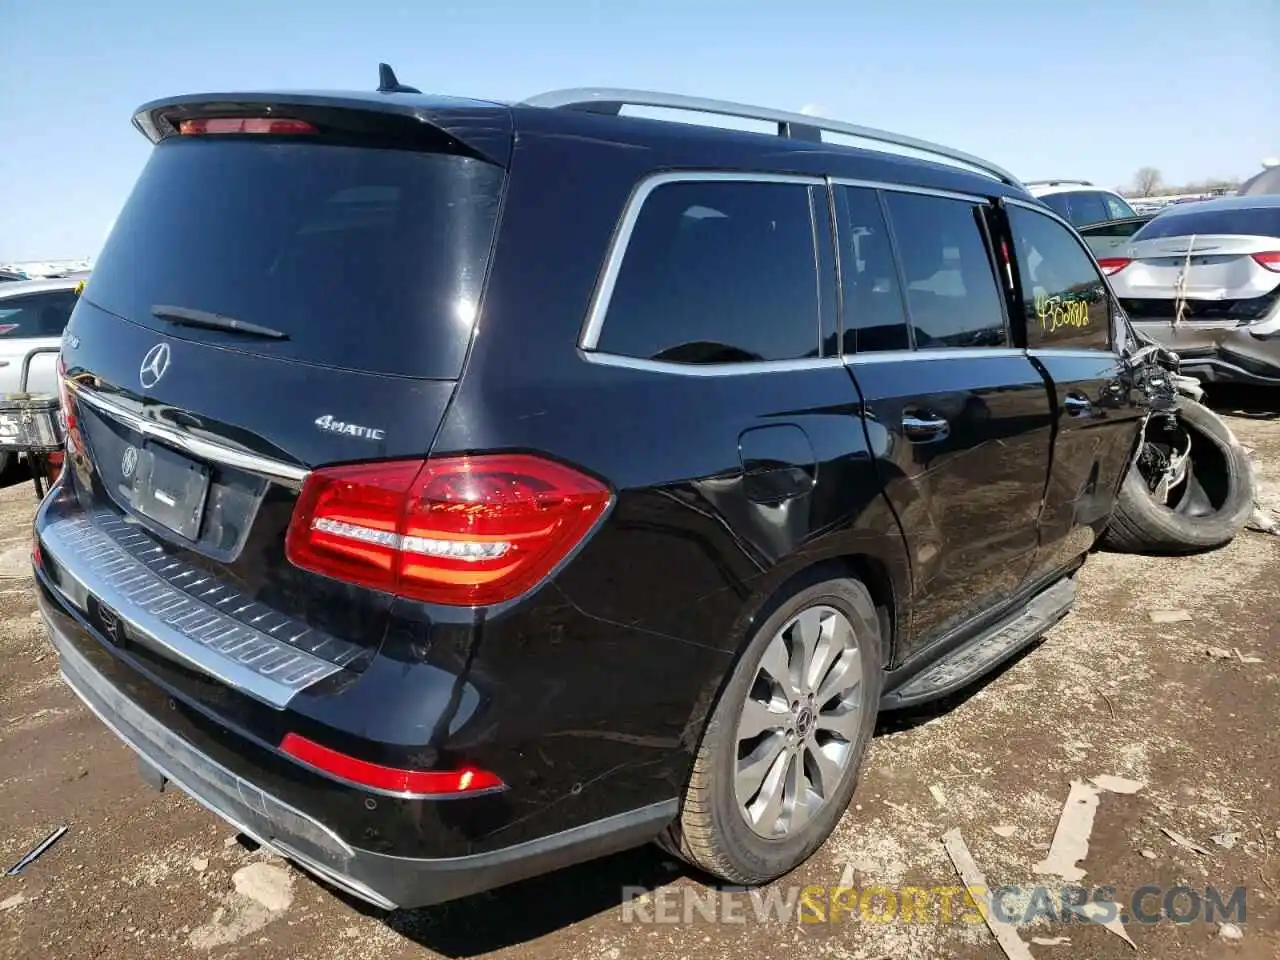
(474, 128)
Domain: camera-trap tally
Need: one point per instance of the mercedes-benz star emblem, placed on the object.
(154, 365)
(129, 462)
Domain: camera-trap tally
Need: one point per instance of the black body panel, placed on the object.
(588, 695)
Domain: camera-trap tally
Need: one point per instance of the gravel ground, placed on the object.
(1110, 691)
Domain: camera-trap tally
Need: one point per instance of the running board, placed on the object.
(987, 650)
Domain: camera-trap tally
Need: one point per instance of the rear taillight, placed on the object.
(210, 126)
(1270, 259)
(71, 435)
(465, 531)
(53, 466)
(1113, 265)
(390, 779)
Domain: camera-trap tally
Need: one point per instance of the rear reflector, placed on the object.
(1113, 265)
(1270, 259)
(219, 125)
(464, 531)
(392, 779)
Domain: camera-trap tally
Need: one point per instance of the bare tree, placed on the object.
(1146, 181)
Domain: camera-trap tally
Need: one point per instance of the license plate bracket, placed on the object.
(170, 489)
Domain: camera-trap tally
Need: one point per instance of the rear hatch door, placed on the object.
(266, 304)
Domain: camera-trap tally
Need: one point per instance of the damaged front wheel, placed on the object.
(1191, 488)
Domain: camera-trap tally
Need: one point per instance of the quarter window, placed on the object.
(718, 272)
(1065, 299)
(873, 314)
(952, 297)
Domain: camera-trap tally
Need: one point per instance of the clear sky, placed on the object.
(1083, 89)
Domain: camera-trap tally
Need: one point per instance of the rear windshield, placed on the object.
(367, 259)
(1249, 222)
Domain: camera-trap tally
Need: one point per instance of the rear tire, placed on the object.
(6, 461)
(745, 837)
(1205, 511)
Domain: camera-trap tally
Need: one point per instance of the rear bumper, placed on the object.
(1222, 355)
(385, 881)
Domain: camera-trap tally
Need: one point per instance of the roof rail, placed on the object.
(1056, 183)
(798, 126)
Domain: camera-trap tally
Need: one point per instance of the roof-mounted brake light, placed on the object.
(209, 126)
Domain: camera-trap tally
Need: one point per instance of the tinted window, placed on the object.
(717, 272)
(1059, 204)
(367, 259)
(951, 289)
(873, 313)
(1079, 207)
(1116, 208)
(1065, 297)
(1250, 222)
(37, 315)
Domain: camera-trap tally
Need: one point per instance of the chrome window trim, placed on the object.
(1090, 354)
(908, 188)
(932, 353)
(708, 369)
(589, 337)
(287, 473)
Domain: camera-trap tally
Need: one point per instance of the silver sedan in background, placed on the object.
(1204, 280)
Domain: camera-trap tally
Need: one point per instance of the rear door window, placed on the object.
(951, 291)
(1116, 208)
(369, 259)
(718, 271)
(1065, 298)
(36, 315)
(874, 318)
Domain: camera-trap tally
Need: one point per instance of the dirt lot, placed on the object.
(1110, 691)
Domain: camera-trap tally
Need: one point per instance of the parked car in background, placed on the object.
(1204, 279)
(1079, 202)
(33, 314)
(1106, 236)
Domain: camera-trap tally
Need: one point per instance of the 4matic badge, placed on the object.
(328, 424)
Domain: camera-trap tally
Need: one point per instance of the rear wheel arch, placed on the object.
(872, 571)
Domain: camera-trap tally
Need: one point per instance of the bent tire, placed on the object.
(782, 752)
(1206, 508)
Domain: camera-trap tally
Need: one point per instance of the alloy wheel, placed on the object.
(800, 722)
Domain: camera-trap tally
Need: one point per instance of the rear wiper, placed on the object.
(186, 317)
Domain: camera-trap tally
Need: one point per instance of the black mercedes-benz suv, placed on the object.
(458, 490)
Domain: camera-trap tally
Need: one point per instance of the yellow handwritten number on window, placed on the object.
(1055, 312)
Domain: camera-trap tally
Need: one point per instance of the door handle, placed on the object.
(924, 427)
(1078, 405)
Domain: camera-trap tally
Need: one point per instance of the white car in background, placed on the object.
(1204, 280)
(1079, 202)
(33, 314)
